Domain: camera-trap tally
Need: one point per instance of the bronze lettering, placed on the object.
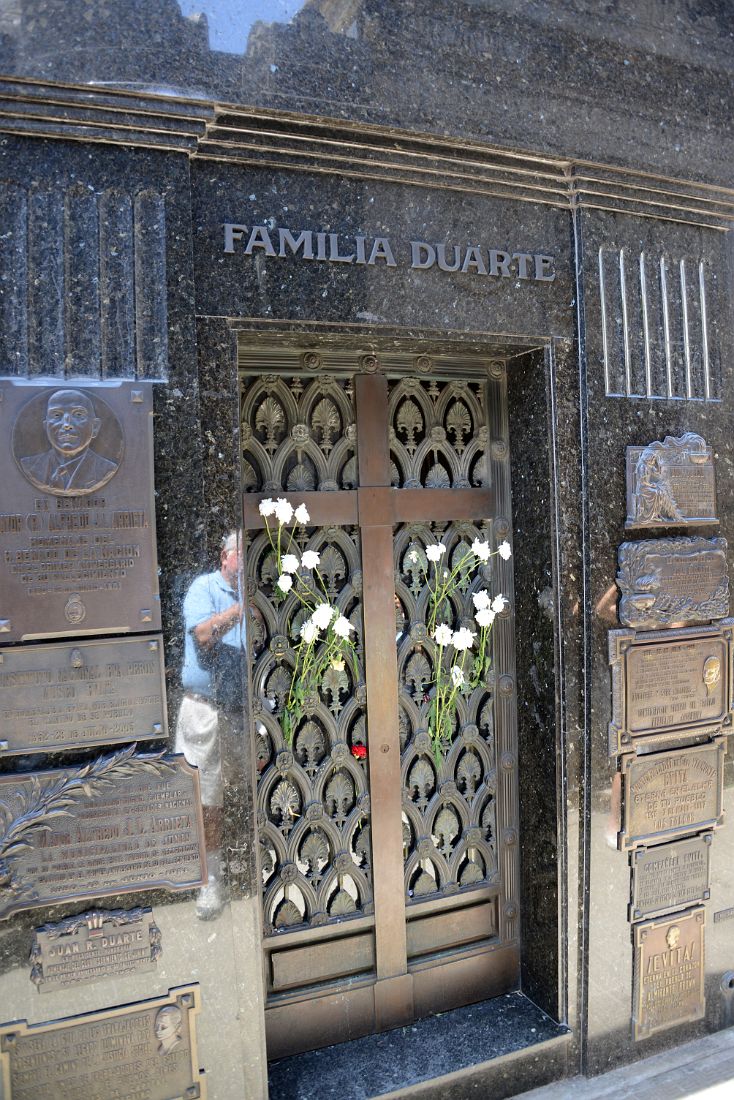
(671, 794)
(671, 483)
(142, 1051)
(668, 685)
(670, 876)
(77, 538)
(93, 946)
(135, 822)
(672, 581)
(81, 693)
(668, 972)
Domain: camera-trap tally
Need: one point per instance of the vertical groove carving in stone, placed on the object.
(82, 282)
(13, 279)
(116, 284)
(654, 327)
(151, 330)
(46, 282)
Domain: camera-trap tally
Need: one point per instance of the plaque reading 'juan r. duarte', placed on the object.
(77, 526)
(124, 822)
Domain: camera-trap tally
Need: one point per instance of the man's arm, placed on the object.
(208, 632)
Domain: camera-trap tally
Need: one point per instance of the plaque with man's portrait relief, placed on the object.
(77, 526)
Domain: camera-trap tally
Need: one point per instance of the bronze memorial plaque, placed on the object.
(671, 794)
(124, 822)
(77, 526)
(671, 484)
(670, 876)
(141, 1051)
(672, 581)
(70, 695)
(98, 944)
(668, 972)
(670, 684)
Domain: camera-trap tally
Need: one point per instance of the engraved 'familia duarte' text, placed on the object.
(338, 248)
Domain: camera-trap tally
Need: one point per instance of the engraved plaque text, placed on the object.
(129, 822)
(669, 794)
(670, 876)
(671, 484)
(668, 972)
(77, 526)
(147, 1049)
(670, 581)
(74, 694)
(92, 946)
(669, 684)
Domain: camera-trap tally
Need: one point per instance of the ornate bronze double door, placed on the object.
(390, 887)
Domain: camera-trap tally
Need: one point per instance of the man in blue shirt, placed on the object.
(212, 680)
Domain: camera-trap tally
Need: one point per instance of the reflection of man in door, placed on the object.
(212, 681)
(70, 465)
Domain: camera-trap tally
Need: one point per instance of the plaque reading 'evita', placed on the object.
(670, 876)
(92, 946)
(669, 794)
(671, 484)
(667, 685)
(77, 527)
(145, 1050)
(125, 822)
(672, 581)
(668, 972)
(74, 694)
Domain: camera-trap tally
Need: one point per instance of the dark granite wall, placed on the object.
(563, 76)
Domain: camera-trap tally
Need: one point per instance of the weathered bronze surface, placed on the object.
(92, 946)
(670, 581)
(668, 685)
(671, 484)
(135, 822)
(77, 528)
(143, 1050)
(670, 794)
(408, 463)
(670, 876)
(668, 972)
(78, 694)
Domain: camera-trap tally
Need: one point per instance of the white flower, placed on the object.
(457, 676)
(505, 550)
(480, 550)
(498, 603)
(342, 627)
(309, 631)
(434, 552)
(463, 638)
(413, 556)
(310, 559)
(323, 615)
(289, 563)
(443, 634)
(284, 582)
(266, 507)
(485, 616)
(481, 599)
(301, 514)
(283, 510)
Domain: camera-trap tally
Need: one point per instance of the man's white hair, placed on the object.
(231, 541)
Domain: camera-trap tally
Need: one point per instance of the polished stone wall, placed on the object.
(112, 265)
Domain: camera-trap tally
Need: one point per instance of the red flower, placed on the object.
(359, 752)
